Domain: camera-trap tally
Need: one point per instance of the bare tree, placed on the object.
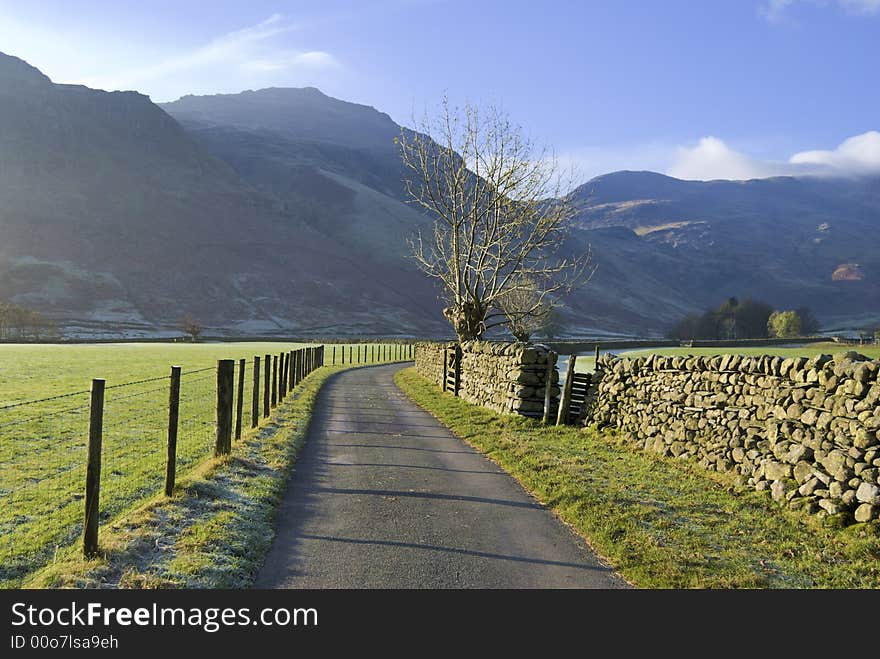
(524, 309)
(500, 215)
(191, 327)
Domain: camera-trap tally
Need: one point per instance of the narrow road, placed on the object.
(384, 496)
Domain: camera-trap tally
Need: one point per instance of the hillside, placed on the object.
(115, 219)
(789, 241)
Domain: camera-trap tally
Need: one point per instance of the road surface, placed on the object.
(384, 496)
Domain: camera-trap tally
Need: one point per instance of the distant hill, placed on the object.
(282, 211)
(790, 241)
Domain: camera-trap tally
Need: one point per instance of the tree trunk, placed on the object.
(467, 319)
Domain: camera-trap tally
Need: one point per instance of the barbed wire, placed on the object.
(134, 382)
(43, 400)
(45, 415)
(199, 370)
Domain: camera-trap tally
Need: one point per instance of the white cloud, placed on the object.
(249, 57)
(775, 10)
(856, 155)
(711, 159)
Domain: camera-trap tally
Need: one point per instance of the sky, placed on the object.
(703, 89)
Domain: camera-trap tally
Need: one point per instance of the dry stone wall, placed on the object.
(429, 360)
(807, 430)
(506, 377)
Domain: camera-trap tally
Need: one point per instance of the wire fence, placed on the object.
(42, 471)
(369, 353)
(44, 443)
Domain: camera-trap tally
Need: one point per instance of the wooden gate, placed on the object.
(452, 370)
(573, 403)
(580, 385)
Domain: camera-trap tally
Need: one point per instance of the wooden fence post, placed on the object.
(565, 401)
(334, 355)
(274, 380)
(173, 416)
(239, 398)
(282, 377)
(458, 355)
(548, 385)
(93, 469)
(290, 371)
(255, 402)
(596, 365)
(225, 385)
(267, 383)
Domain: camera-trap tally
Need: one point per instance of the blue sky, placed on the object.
(698, 89)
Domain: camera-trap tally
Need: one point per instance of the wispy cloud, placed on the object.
(254, 50)
(712, 159)
(861, 6)
(775, 10)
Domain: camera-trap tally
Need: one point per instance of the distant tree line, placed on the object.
(745, 319)
(18, 323)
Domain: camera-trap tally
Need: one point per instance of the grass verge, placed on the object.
(660, 522)
(215, 530)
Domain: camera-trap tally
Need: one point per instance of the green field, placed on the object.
(43, 442)
(588, 363)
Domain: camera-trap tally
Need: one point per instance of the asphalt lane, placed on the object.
(384, 496)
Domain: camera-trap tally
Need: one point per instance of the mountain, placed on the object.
(282, 212)
(114, 216)
(789, 241)
(333, 161)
